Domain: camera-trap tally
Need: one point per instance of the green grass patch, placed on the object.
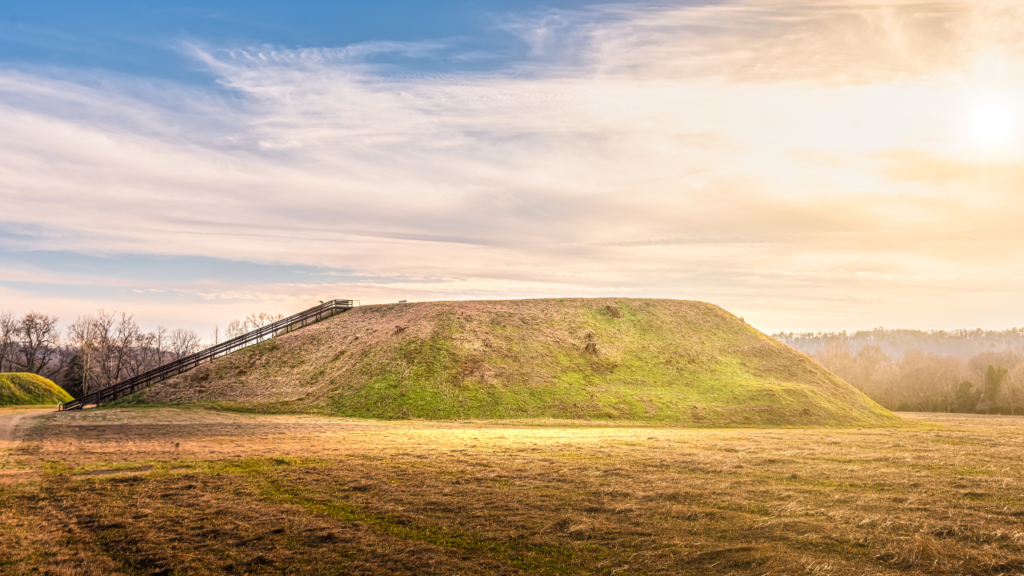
(21, 388)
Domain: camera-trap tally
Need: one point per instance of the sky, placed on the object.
(809, 165)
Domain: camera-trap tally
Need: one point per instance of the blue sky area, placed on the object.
(141, 38)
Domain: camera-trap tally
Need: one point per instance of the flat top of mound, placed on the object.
(23, 388)
(662, 361)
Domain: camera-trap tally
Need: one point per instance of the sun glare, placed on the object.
(993, 122)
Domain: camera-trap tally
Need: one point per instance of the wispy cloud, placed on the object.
(803, 163)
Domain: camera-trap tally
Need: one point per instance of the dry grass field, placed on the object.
(174, 491)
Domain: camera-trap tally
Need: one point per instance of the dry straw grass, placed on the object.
(161, 491)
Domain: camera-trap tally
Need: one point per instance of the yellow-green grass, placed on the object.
(22, 388)
(608, 359)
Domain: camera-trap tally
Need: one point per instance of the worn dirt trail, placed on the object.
(14, 426)
(15, 422)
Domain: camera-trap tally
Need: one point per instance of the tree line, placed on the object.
(964, 343)
(908, 370)
(973, 371)
(97, 350)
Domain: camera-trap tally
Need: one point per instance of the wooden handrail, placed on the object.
(140, 381)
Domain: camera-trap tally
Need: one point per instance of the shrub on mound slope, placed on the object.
(665, 361)
(22, 388)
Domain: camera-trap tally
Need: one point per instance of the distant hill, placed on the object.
(21, 388)
(667, 361)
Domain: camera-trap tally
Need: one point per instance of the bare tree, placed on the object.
(82, 335)
(1014, 386)
(161, 340)
(835, 355)
(254, 320)
(8, 340)
(103, 330)
(885, 386)
(184, 342)
(867, 363)
(38, 344)
(980, 362)
(949, 372)
(251, 322)
(144, 355)
(235, 329)
(1015, 355)
(126, 336)
(115, 336)
(914, 379)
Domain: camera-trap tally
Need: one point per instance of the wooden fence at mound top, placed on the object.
(140, 381)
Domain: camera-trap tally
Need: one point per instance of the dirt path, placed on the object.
(14, 425)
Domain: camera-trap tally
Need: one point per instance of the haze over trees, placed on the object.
(928, 371)
(96, 350)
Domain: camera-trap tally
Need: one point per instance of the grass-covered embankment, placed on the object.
(22, 388)
(661, 361)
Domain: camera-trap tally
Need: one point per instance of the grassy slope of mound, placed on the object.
(666, 361)
(22, 388)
